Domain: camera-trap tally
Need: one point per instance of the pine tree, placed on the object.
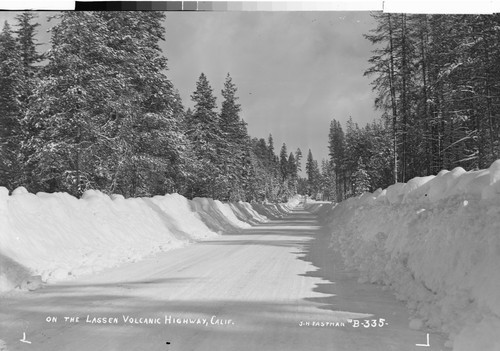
(437, 84)
(336, 148)
(283, 163)
(328, 181)
(384, 64)
(274, 185)
(246, 171)
(378, 154)
(361, 179)
(316, 190)
(264, 186)
(311, 172)
(235, 152)
(259, 183)
(208, 141)
(28, 76)
(10, 107)
(26, 38)
(271, 155)
(157, 139)
(292, 166)
(298, 158)
(64, 111)
(102, 111)
(292, 172)
(354, 147)
(229, 115)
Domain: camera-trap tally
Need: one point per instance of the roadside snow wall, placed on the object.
(436, 241)
(58, 236)
(277, 210)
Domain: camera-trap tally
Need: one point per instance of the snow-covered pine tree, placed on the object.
(11, 80)
(203, 129)
(260, 181)
(436, 79)
(27, 43)
(76, 129)
(102, 111)
(328, 181)
(311, 173)
(336, 148)
(246, 173)
(298, 159)
(29, 69)
(283, 163)
(292, 174)
(274, 184)
(235, 151)
(361, 179)
(157, 142)
(270, 146)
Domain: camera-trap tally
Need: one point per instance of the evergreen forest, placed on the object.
(97, 111)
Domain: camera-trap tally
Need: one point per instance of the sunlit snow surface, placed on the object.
(274, 286)
(436, 241)
(58, 236)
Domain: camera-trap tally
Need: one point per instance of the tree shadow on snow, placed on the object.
(342, 291)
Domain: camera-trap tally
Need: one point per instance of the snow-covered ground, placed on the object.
(274, 286)
(50, 237)
(436, 241)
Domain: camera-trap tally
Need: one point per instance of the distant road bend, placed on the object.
(276, 286)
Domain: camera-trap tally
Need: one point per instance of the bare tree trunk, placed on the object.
(404, 102)
(77, 162)
(423, 52)
(393, 101)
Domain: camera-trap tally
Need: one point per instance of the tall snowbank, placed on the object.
(57, 236)
(278, 210)
(436, 241)
(218, 216)
(246, 213)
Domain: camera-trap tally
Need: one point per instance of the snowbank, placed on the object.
(47, 237)
(217, 216)
(277, 210)
(246, 213)
(436, 241)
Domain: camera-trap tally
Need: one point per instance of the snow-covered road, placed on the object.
(274, 286)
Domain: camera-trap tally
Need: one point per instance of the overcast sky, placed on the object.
(295, 71)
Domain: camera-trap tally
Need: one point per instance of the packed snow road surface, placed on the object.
(274, 286)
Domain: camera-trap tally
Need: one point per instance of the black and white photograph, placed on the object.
(250, 176)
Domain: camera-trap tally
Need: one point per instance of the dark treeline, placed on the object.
(438, 83)
(437, 78)
(97, 111)
(359, 161)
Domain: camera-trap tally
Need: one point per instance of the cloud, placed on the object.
(295, 71)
